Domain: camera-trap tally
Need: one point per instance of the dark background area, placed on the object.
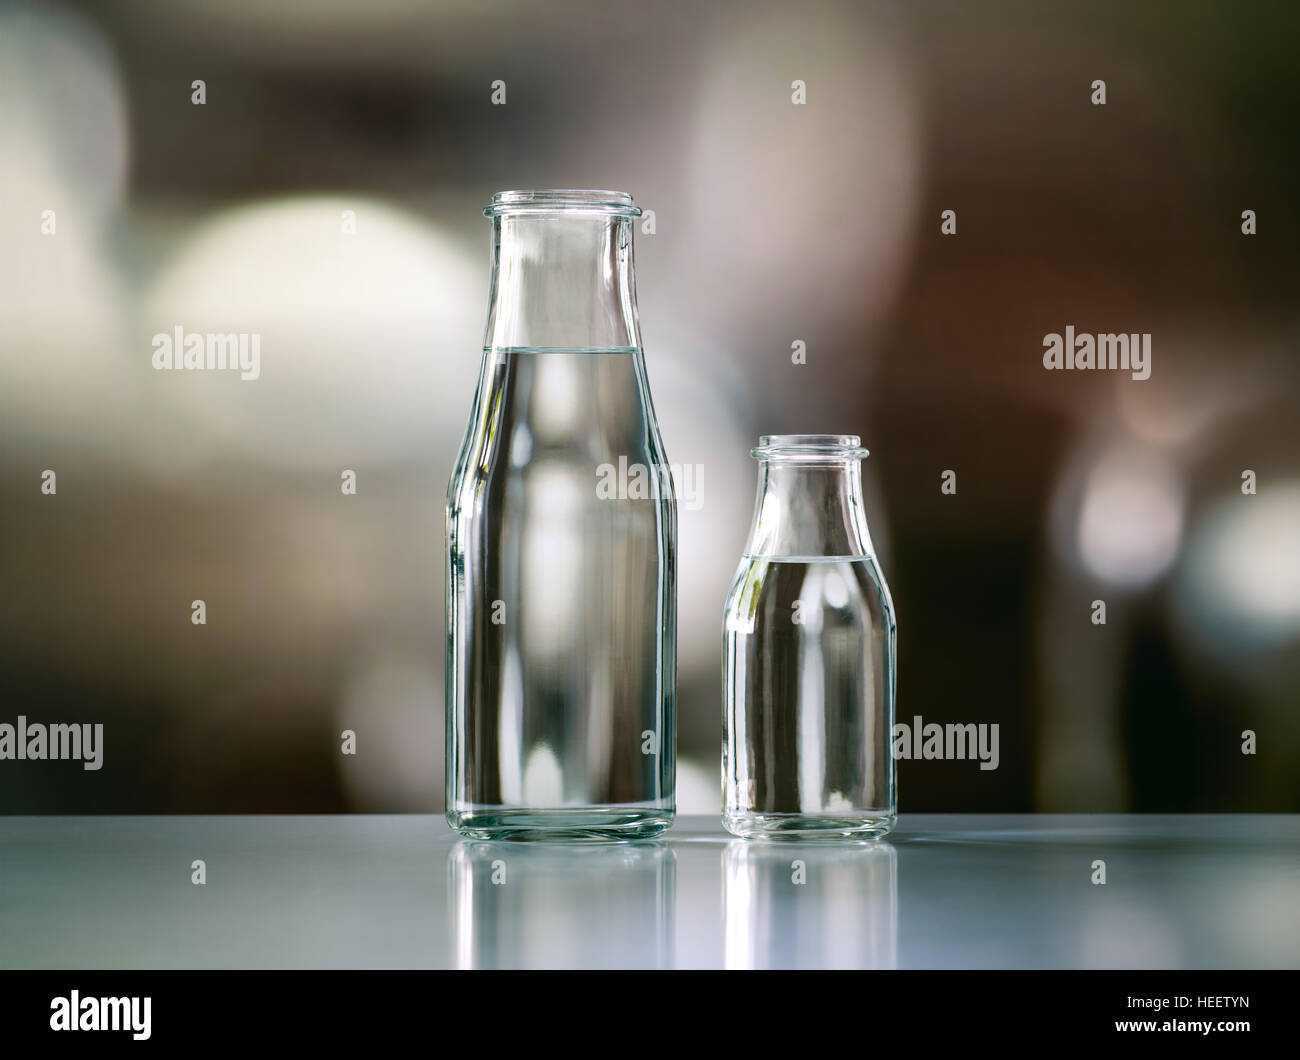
(773, 223)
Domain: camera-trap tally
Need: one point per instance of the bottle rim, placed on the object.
(814, 447)
(563, 200)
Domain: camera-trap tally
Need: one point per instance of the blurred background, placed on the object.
(774, 223)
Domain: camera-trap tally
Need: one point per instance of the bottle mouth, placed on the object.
(809, 448)
(563, 201)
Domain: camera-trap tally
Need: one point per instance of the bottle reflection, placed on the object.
(806, 905)
(562, 906)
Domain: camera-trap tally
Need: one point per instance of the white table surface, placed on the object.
(964, 891)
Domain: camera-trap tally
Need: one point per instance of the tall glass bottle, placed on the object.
(809, 654)
(561, 543)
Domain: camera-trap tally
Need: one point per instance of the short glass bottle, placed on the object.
(809, 654)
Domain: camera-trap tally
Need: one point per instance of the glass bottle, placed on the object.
(561, 543)
(808, 654)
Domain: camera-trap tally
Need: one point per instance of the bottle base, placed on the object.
(804, 827)
(609, 824)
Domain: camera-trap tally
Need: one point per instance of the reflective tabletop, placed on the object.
(959, 891)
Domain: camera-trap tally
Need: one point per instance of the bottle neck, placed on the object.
(562, 280)
(809, 510)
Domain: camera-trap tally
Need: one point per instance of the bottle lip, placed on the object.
(563, 200)
(809, 447)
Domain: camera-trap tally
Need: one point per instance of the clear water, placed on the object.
(809, 698)
(561, 603)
